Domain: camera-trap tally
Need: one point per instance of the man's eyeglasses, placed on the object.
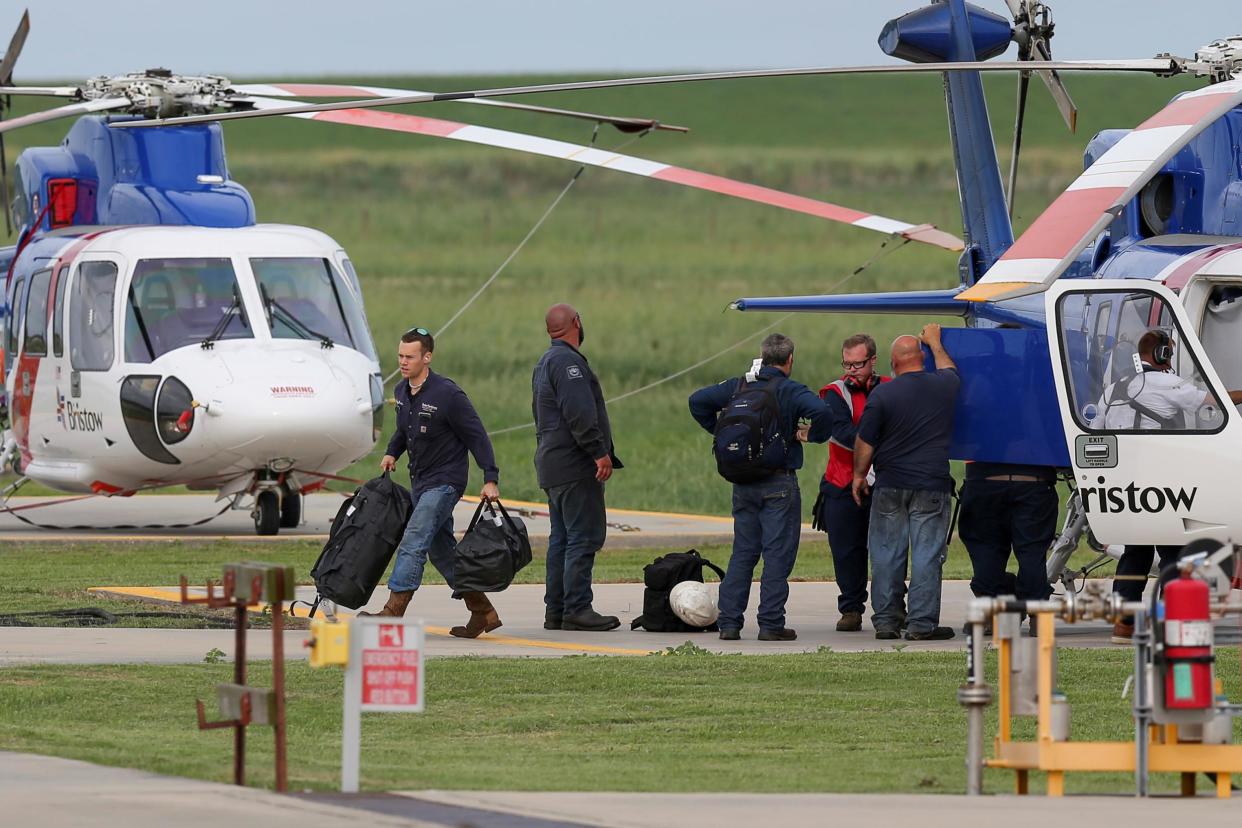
(419, 331)
(856, 366)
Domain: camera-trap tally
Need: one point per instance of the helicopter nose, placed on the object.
(286, 414)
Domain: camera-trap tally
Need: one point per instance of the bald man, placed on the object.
(905, 431)
(573, 459)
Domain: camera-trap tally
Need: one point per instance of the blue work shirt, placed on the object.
(437, 426)
(572, 430)
(795, 401)
(909, 423)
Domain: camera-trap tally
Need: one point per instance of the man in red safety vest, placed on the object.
(836, 512)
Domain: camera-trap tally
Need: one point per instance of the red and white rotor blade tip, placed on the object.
(592, 156)
(67, 111)
(334, 90)
(1088, 206)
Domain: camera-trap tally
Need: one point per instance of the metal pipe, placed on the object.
(975, 695)
(239, 678)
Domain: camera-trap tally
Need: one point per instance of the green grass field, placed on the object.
(651, 266)
(684, 721)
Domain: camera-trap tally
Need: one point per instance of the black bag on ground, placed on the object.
(492, 552)
(660, 576)
(365, 533)
(748, 444)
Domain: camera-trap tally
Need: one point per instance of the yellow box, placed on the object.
(328, 642)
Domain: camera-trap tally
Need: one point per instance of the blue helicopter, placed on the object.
(1149, 237)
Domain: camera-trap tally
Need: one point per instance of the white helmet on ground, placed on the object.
(695, 603)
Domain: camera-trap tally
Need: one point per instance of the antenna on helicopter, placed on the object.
(1032, 31)
(6, 79)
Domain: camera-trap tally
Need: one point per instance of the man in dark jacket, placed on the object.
(767, 515)
(573, 459)
(436, 426)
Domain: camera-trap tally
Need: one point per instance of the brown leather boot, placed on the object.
(483, 617)
(395, 608)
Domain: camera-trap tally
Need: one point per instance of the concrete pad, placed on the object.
(63, 793)
(811, 611)
(711, 810)
(145, 517)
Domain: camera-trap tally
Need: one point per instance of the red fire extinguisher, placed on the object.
(1188, 682)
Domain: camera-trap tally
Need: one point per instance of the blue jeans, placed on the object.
(579, 527)
(428, 534)
(767, 523)
(907, 525)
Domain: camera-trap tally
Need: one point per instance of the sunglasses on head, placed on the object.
(419, 331)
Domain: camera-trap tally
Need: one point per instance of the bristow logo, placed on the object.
(293, 391)
(1131, 498)
(75, 418)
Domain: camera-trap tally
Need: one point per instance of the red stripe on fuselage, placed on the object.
(1179, 277)
(753, 192)
(1060, 227)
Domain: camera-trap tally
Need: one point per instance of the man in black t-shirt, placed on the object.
(905, 430)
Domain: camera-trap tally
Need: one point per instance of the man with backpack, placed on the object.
(436, 426)
(845, 521)
(754, 423)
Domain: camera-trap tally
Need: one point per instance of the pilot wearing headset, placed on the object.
(1156, 397)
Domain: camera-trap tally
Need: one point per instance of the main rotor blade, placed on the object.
(595, 157)
(330, 90)
(15, 49)
(66, 111)
(46, 91)
(1024, 82)
(1060, 95)
(1160, 66)
(1093, 200)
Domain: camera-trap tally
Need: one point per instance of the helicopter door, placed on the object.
(92, 318)
(1152, 436)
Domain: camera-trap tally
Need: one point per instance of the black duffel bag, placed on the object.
(364, 535)
(492, 552)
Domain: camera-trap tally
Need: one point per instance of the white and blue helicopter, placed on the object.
(153, 333)
(1149, 236)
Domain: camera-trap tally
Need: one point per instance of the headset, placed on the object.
(1162, 354)
(854, 385)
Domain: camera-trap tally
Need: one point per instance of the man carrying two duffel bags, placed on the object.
(436, 426)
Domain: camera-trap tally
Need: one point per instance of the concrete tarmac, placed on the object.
(63, 793)
(156, 517)
(811, 611)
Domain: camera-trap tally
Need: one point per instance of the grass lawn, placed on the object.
(684, 721)
(55, 576)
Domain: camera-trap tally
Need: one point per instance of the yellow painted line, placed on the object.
(173, 595)
(993, 291)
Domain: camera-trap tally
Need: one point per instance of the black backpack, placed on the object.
(660, 576)
(748, 443)
(492, 551)
(364, 535)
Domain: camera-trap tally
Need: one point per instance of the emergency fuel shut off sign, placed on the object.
(384, 674)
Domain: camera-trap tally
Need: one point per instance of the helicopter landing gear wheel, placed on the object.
(290, 510)
(266, 513)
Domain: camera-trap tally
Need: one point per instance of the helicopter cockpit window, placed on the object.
(304, 298)
(1150, 381)
(92, 341)
(172, 303)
